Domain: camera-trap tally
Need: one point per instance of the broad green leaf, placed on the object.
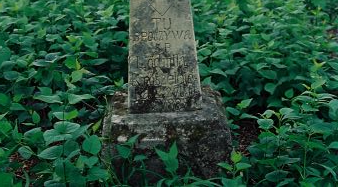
(236, 157)
(233, 111)
(286, 111)
(11, 75)
(308, 108)
(226, 166)
(72, 63)
(270, 87)
(123, 151)
(219, 72)
(5, 54)
(204, 70)
(92, 54)
(248, 116)
(242, 166)
(173, 152)
(318, 83)
(41, 63)
(269, 74)
(4, 100)
(276, 176)
(74, 153)
(7, 65)
(97, 126)
(119, 83)
(70, 146)
(283, 160)
(163, 155)
(265, 123)
(88, 40)
(92, 145)
(207, 81)
(220, 54)
(245, 103)
(26, 152)
(36, 117)
(51, 136)
(76, 76)
(289, 93)
(73, 99)
(5, 127)
(204, 51)
(121, 36)
(235, 182)
(42, 32)
(2, 116)
(45, 90)
(131, 141)
(97, 173)
(79, 132)
(16, 135)
(66, 127)
(333, 145)
(97, 62)
(66, 115)
(171, 165)
(285, 182)
(34, 135)
(17, 107)
(51, 153)
(49, 99)
(91, 161)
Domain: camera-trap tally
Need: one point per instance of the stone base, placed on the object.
(202, 136)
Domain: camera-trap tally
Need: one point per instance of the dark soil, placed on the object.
(248, 133)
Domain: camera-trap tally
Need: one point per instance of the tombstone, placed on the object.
(163, 71)
(165, 102)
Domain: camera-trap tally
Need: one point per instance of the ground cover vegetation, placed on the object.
(275, 63)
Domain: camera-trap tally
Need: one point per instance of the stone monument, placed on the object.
(163, 71)
(165, 102)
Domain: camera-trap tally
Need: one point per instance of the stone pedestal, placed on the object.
(203, 136)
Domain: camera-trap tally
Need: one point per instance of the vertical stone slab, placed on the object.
(163, 71)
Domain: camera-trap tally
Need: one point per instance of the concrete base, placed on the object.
(202, 136)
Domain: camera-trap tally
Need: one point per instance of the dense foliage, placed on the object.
(275, 63)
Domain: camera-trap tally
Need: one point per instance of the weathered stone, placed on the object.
(164, 100)
(163, 71)
(203, 136)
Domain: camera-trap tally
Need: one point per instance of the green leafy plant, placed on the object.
(274, 62)
(235, 170)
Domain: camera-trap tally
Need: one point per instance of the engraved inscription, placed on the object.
(163, 72)
(162, 35)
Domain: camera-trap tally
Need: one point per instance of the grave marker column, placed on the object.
(163, 71)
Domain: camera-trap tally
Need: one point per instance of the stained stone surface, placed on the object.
(163, 71)
(203, 136)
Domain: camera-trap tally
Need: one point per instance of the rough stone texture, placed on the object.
(163, 71)
(203, 136)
